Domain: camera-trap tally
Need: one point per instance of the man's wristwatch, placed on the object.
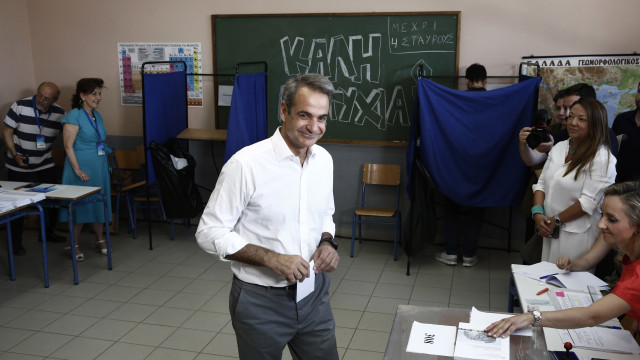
(557, 220)
(330, 240)
(537, 316)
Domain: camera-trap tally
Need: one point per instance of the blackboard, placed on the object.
(372, 59)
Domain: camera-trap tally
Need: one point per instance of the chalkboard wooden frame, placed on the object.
(372, 58)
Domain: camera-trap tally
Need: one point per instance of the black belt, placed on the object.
(289, 289)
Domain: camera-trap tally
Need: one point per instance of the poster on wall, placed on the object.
(614, 77)
(132, 55)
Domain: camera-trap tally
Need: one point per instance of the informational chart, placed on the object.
(131, 56)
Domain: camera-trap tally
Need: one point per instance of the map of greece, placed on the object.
(615, 79)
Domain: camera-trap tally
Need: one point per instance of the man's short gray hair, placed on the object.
(315, 82)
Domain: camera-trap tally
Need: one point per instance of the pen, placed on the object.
(610, 327)
(50, 186)
(542, 291)
(546, 276)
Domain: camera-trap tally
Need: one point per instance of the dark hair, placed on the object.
(581, 89)
(475, 73)
(85, 86)
(559, 95)
(629, 194)
(598, 125)
(315, 82)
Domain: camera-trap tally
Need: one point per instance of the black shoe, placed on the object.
(18, 250)
(53, 238)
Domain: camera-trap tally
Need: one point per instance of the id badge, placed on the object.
(101, 148)
(40, 144)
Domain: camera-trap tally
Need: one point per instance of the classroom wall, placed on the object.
(65, 40)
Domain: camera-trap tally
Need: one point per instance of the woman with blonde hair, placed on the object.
(620, 226)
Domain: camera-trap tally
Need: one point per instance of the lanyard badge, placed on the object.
(99, 144)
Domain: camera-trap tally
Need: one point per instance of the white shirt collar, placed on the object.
(282, 149)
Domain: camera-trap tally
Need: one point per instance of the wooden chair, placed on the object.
(379, 175)
(125, 169)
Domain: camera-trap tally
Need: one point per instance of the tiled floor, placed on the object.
(172, 302)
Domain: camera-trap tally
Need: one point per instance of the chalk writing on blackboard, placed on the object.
(418, 35)
(351, 63)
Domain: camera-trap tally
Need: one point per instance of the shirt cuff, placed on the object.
(229, 245)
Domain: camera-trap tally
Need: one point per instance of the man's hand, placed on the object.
(326, 258)
(292, 267)
(20, 160)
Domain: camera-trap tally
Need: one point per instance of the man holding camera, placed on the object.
(30, 128)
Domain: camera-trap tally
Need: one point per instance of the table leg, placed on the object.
(106, 227)
(45, 265)
(74, 263)
(12, 270)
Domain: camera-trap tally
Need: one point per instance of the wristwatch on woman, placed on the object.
(537, 316)
(558, 222)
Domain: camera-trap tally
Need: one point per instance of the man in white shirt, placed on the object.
(270, 214)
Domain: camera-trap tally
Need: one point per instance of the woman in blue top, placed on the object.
(84, 135)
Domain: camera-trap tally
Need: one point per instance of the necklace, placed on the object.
(571, 149)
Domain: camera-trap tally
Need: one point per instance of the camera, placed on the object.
(540, 131)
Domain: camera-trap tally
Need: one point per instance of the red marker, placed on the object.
(542, 291)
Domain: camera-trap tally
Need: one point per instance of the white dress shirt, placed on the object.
(264, 197)
(576, 236)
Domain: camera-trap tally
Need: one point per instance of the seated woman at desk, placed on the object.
(620, 226)
(84, 135)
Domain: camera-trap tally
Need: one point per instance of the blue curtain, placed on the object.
(469, 140)
(248, 113)
(165, 110)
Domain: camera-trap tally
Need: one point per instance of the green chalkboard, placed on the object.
(372, 59)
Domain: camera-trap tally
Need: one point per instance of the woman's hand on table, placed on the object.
(506, 326)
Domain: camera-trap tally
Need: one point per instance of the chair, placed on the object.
(124, 168)
(138, 199)
(379, 175)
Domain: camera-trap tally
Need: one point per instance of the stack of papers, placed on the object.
(11, 199)
(471, 342)
(549, 273)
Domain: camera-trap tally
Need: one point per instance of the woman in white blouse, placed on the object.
(569, 191)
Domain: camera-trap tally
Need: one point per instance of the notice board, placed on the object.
(372, 60)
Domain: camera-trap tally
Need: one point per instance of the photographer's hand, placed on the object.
(545, 147)
(523, 134)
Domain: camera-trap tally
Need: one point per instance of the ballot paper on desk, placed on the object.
(483, 319)
(601, 339)
(473, 343)
(432, 339)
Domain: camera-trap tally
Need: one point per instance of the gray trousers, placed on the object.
(265, 319)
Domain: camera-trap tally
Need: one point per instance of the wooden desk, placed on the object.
(203, 134)
(69, 197)
(206, 135)
(528, 289)
(533, 346)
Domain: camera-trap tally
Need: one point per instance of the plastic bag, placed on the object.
(181, 198)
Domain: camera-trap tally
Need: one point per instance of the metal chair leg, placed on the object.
(353, 232)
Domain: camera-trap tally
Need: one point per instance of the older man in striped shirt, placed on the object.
(31, 126)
